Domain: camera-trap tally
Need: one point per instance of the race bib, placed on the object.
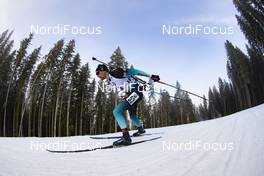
(132, 98)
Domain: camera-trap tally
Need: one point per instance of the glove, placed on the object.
(155, 78)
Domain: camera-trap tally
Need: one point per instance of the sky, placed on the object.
(137, 27)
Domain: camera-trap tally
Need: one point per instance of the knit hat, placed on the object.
(101, 67)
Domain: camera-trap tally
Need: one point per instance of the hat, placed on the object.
(101, 67)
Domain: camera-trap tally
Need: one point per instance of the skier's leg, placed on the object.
(125, 139)
(136, 121)
(133, 116)
(117, 112)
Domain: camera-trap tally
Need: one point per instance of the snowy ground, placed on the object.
(233, 145)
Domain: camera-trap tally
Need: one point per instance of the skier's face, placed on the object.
(102, 74)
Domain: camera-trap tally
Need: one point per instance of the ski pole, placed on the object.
(188, 92)
(144, 82)
(93, 58)
(177, 98)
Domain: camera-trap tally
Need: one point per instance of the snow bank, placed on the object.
(232, 145)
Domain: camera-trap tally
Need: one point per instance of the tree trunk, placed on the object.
(60, 118)
(56, 108)
(29, 122)
(41, 112)
(34, 121)
(81, 117)
(6, 101)
(76, 124)
(68, 110)
(21, 119)
(181, 111)
(248, 96)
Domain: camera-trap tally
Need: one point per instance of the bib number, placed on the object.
(132, 98)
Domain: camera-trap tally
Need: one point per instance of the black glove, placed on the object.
(155, 78)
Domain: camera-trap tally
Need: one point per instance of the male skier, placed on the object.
(126, 84)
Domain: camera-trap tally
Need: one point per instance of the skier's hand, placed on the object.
(155, 78)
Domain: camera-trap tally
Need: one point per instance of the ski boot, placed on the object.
(124, 140)
(139, 132)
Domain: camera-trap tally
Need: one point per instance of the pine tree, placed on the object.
(118, 60)
(22, 85)
(251, 21)
(34, 97)
(100, 102)
(66, 57)
(42, 87)
(73, 74)
(84, 96)
(6, 59)
(257, 74)
(144, 113)
(20, 55)
(109, 119)
(203, 113)
(239, 73)
(177, 103)
(164, 107)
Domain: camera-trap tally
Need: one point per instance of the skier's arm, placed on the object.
(135, 72)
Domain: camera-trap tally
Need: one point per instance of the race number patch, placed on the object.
(132, 98)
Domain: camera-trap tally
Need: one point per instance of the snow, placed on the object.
(232, 145)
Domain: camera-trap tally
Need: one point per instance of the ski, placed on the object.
(117, 137)
(102, 148)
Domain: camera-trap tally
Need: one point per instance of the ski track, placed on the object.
(244, 129)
